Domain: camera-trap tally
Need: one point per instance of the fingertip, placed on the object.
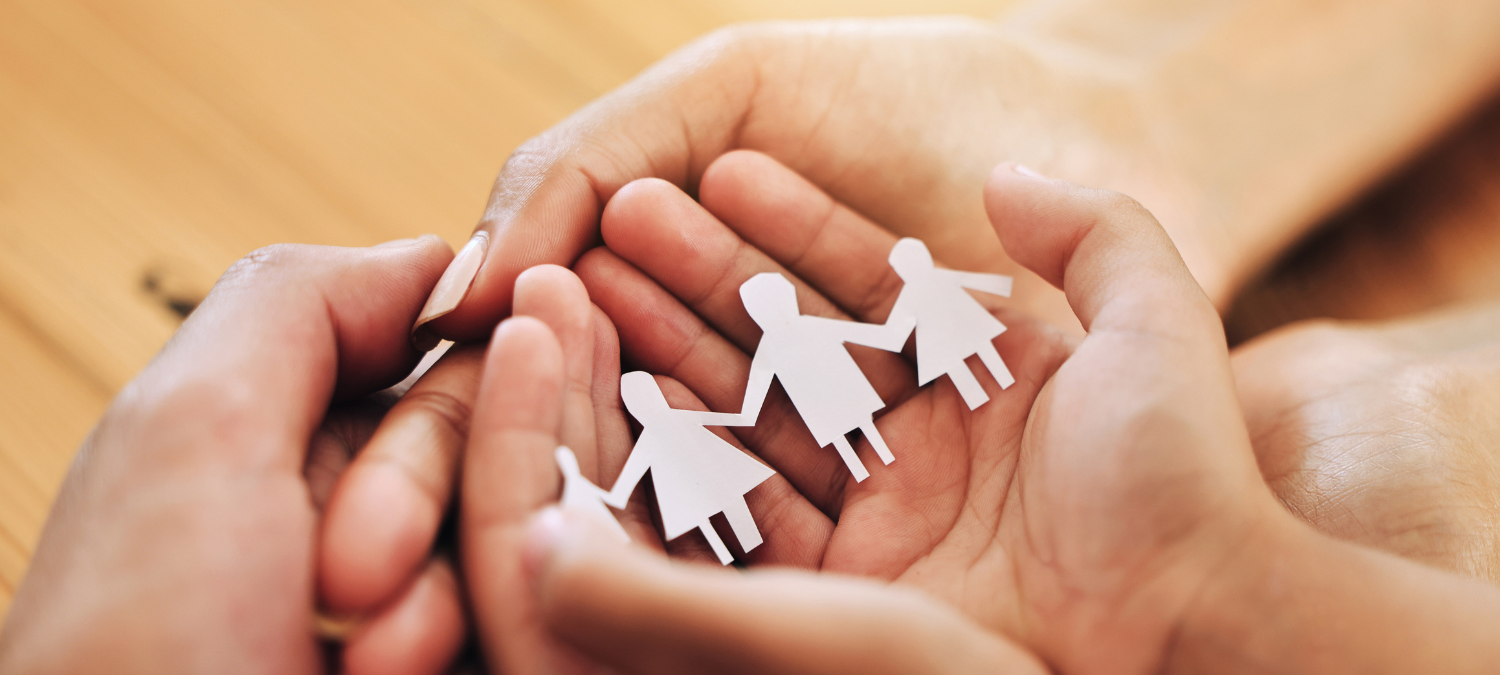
(556, 295)
(420, 633)
(376, 532)
(523, 333)
(523, 382)
(1024, 208)
(543, 281)
(724, 181)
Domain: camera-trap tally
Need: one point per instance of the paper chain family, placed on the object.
(697, 474)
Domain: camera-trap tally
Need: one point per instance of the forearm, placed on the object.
(1300, 602)
(1270, 114)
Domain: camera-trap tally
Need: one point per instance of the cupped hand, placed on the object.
(1380, 433)
(182, 538)
(554, 593)
(898, 119)
(1078, 510)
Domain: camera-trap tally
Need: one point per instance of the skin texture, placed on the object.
(948, 99)
(1118, 523)
(1111, 517)
(753, 199)
(1381, 434)
(193, 504)
(980, 515)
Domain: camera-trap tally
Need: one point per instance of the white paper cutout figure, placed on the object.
(695, 473)
(581, 495)
(951, 324)
(807, 354)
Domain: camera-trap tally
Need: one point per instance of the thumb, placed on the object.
(638, 612)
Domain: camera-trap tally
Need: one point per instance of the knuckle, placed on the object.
(443, 408)
(264, 260)
(1120, 204)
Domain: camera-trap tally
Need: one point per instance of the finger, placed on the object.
(821, 241)
(387, 507)
(420, 633)
(291, 327)
(641, 614)
(1154, 341)
(794, 532)
(555, 296)
(662, 336)
(208, 446)
(546, 202)
(671, 238)
(1105, 251)
(615, 442)
(509, 473)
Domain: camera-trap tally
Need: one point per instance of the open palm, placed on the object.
(1071, 510)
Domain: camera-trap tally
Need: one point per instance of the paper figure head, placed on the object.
(770, 299)
(910, 258)
(642, 396)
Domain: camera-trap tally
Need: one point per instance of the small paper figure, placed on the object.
(951, 324)
(694, 472)
(581, 495)
(807, 354)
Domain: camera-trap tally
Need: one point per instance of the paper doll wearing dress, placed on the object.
(951, 324)
(695, 473)
(807, 354)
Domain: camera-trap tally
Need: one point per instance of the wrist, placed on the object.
(1224, 629)
(1297, 601)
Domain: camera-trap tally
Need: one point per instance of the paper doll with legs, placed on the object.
(807, 354)
(582, 496)
(951, 324)
(695, 473)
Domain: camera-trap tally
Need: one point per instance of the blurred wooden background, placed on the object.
(145, 146)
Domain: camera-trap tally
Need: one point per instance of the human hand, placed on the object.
(900, 119)
(550, 379)
(554, 593)
(182, 538)
(1379, 433)
(1076, 510)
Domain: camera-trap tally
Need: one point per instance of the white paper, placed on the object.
(694, 472)
(951, 324)
(807, 354)
(582, 496)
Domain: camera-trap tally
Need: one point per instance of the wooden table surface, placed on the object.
(145, 146)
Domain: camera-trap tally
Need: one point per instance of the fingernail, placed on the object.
(546, 532)
(1026, 171)
(454, 284)
(403, 243)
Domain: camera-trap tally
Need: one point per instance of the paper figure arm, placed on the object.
(905, 307)
(715, 419)
(635, 469)
(759, 384)
(995, 284)
(889, 336)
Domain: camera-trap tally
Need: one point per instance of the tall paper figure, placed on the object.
(695, 473)
(581, 495)
(951, 324)
(807, 354)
